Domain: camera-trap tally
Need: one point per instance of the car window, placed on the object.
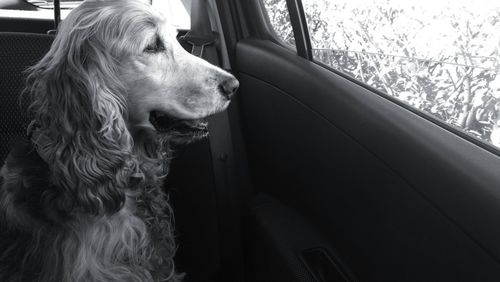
(440, 57)
(49, 4)
(177, 11)
(279, 18)
(34, 9)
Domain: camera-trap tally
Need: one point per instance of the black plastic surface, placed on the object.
(401, 198)
(276, 240)
(322, 267)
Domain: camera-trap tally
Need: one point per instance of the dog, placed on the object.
(82, 196)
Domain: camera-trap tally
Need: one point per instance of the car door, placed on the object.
(350, 182)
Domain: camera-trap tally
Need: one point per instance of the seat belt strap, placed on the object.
(203, 39)
(201, 34)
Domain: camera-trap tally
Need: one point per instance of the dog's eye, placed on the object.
(155, 47)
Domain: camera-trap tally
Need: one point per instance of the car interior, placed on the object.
(309, 175)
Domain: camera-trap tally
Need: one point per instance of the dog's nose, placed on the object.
(228, 87)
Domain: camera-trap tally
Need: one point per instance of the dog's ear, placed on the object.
(75, 96)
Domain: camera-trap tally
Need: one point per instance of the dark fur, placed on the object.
(45, 234)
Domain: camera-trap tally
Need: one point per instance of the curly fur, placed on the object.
(82, 199)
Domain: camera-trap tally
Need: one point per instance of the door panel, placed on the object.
(280, 253)
(399, 198)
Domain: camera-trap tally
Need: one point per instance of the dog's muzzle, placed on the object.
(229, 87)
(166, 124)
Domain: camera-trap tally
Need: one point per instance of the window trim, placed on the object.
(264, 29)
(300, 28)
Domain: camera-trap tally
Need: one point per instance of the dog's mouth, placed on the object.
(164, 123)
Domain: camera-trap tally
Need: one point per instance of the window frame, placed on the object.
(300, 29)
(264, 28)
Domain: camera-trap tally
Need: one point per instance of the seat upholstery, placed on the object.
(18, 51)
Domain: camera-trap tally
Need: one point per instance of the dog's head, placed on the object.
(123, 51)
(162, 80)
(114, 67)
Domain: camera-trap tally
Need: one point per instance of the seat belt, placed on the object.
(203, 42)
(200, 35)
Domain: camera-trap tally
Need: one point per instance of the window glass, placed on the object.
(279, 17)
(35, 9)
(439, 56)
(175, 10)
(49, 4)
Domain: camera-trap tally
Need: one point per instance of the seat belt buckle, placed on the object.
(198, 42)
(197, 50)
